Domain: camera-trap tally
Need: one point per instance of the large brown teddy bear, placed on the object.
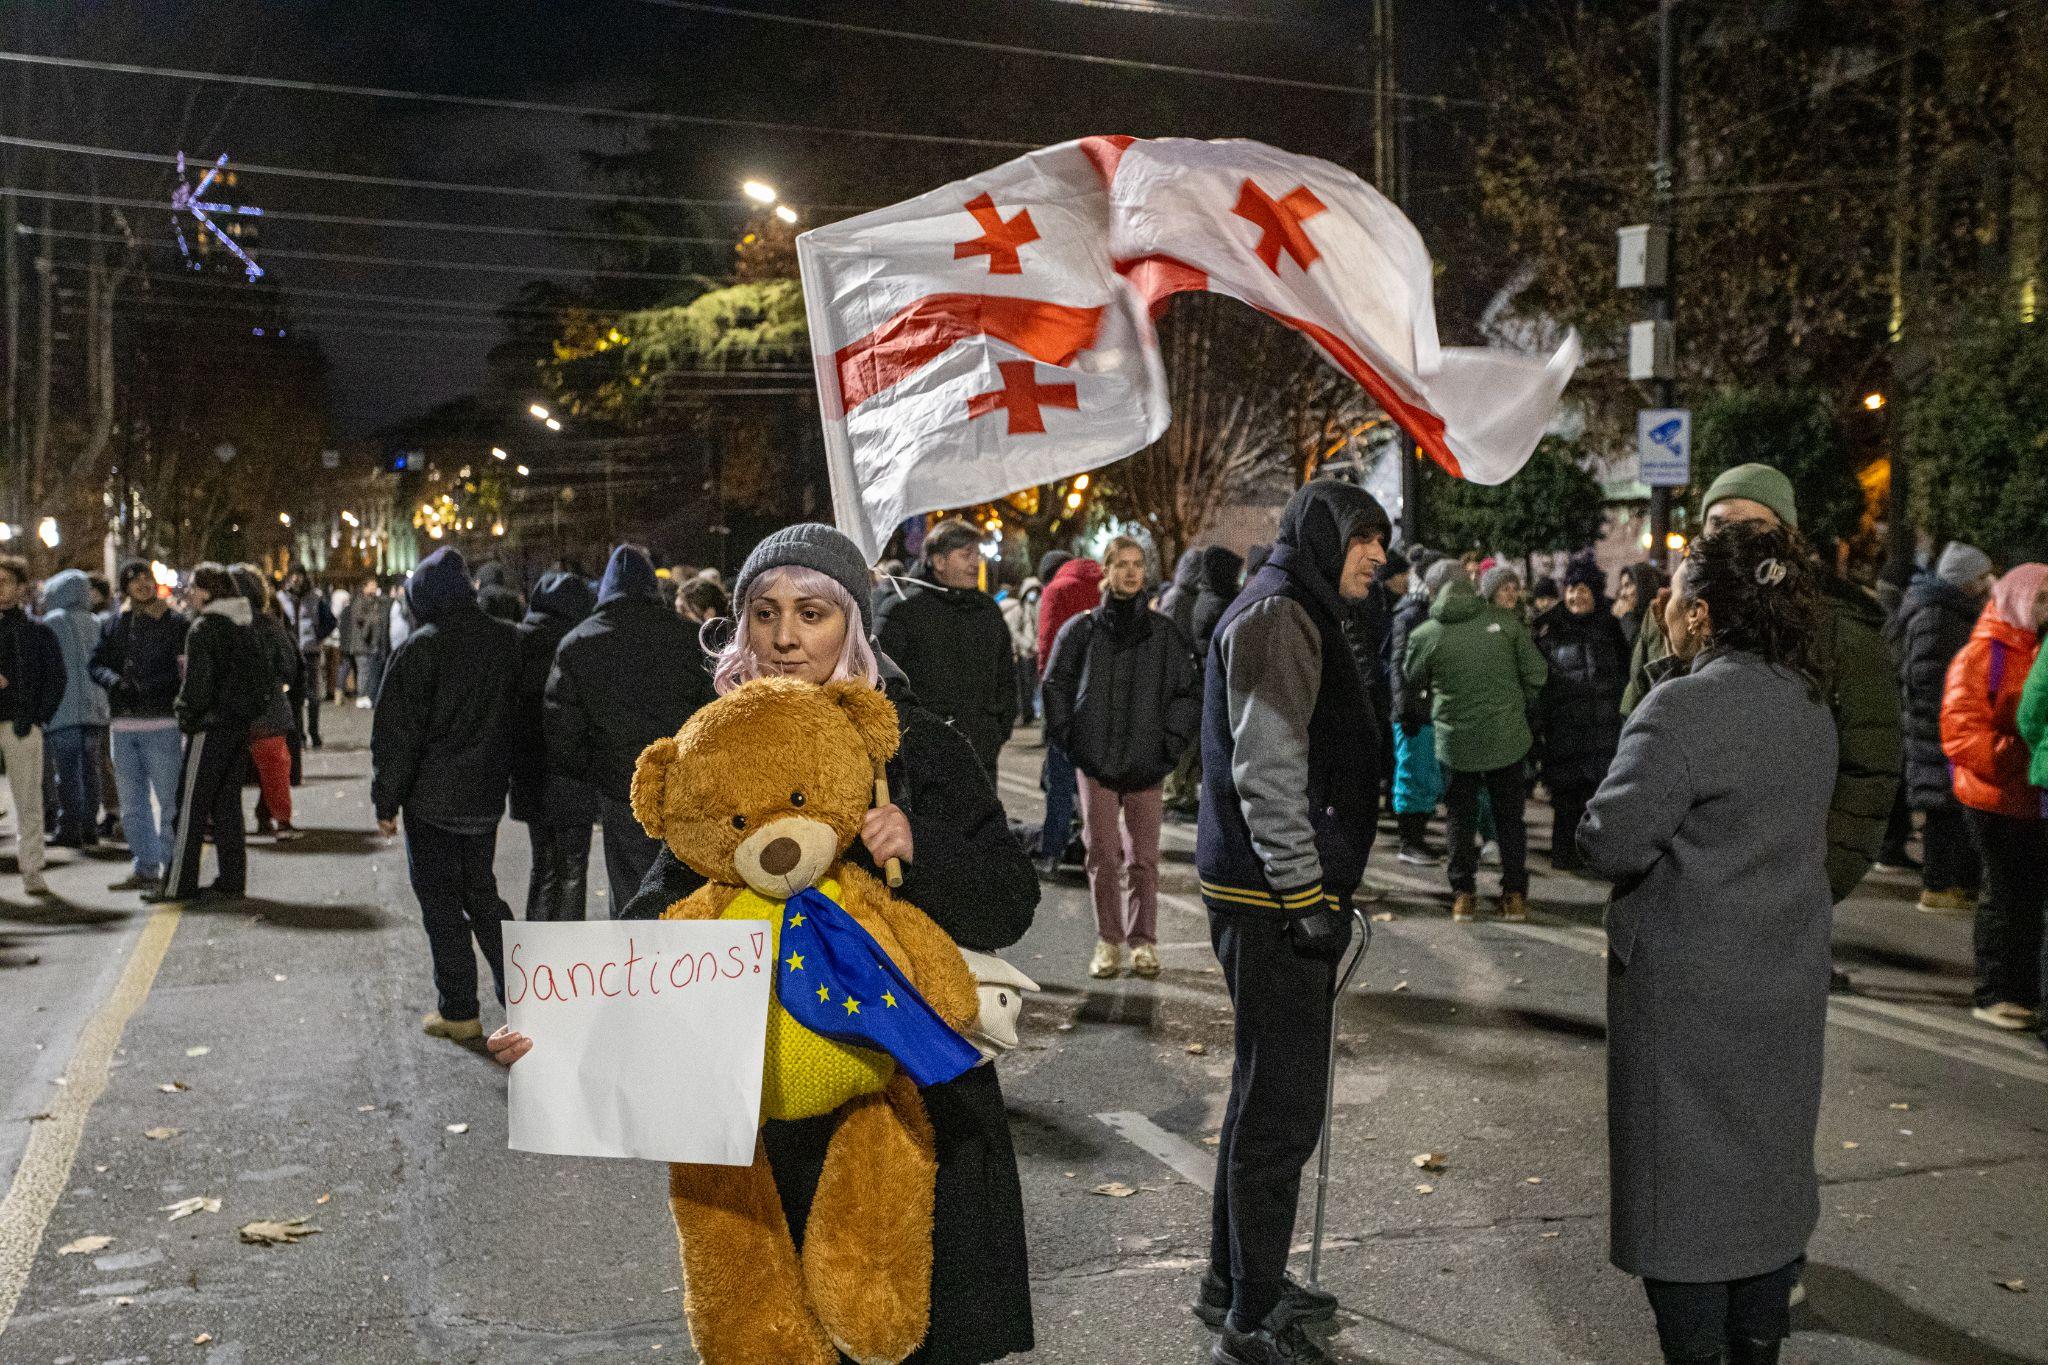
(762, 793)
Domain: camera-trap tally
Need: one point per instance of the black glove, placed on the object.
(1323, 934)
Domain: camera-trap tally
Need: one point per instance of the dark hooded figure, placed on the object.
(1177, 599)
(558, 810)
(496, 594)
(631, 674)
(1222, 572)
(440, 754)
(1289, 743)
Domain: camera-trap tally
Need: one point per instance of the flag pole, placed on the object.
(892, 870)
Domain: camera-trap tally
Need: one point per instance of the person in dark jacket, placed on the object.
(1712, 824)
(366, 638)
(1285, 830)
(270, 734)
(136, 661)
(496, 595)
(629, 675)
(1578, 713)
(227, 684)
(948, 637)
(1177, 601)
(1932, 625)
(77, 732)
(1123, 698)
(1640, 584)
(311, 619)
(1074, 588)
(1418, 776)
(1218, 583)
(31, 686)
(440, 754)
(558, 810)
(803, 601)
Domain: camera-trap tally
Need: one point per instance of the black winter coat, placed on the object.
(560, 603)
(1221, 570)
(631, 674)
(1578, 714)
(955, 648)
(438, 738)
(274, 643)
(1932, 626)
(1410, 706)
(228, 683)
(33, 663)
(1123, 694)
(1178, 600)
(975, 882)
(136, 660)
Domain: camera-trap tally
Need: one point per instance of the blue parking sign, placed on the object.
(1664, 446)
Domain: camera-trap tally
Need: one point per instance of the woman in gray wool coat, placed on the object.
(1712, 825)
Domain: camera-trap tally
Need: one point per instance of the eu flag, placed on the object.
(834, 979)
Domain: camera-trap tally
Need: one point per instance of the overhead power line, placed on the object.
(1051, 54)
(238, 285)
(650, 116)
(1162, 10)
(404, 183)
(353, 220)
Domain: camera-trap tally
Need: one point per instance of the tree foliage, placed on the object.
(1978, 441)
(1552, 504)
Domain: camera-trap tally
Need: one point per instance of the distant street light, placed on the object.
(497, 453)
(785, 213)
(538, 411)
(524, 471)
(554, 424)
(46, 531)
(284, 518)
(1873, 401)
(6, 533)
(759, 192)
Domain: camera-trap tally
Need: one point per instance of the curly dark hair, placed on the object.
(1760, 592)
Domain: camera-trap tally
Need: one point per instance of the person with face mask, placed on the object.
(1289, 747)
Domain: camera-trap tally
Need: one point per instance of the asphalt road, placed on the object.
(316, 1096)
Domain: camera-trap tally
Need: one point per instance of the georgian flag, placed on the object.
(996, 334)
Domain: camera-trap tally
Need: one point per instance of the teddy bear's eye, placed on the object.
(739, 822)
(796, 798)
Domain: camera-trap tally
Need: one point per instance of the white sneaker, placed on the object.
(1108, 960)
(1489, 854)
(2006, 1015)
(363, 703)
(33, 883)
(1145, 961)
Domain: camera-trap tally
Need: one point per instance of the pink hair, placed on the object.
(734, 663)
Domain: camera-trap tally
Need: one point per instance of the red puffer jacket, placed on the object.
(1979, 727)
(1075, 589)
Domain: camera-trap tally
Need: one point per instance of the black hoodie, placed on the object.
(438, 739)
(136, 660)
(561, 601)
(954, 646)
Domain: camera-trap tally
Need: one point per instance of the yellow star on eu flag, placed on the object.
(796, 962)
(824, 992)
(852, 1005)
(889, 999)
(796, 921)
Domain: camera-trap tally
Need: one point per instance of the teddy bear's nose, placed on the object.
(780, 856)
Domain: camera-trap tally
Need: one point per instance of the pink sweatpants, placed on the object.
(1123, 864)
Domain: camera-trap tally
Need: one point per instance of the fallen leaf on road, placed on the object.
(279, 976)
(1198, 1049)
(1905, 1132)
(1213, 1140)
(197, 1051)
(202, 1338)
(2016, 1286)
(161, 1134)
(1902, 1106)
(123, 1301)
(323, 1198)
(1533, 1180)
(1425, 1189)
(173, 1087)
(60, 1080)
(458, 1127)
(185, 1208)
(1385, 917)
(1851, 1146)
(1553, 1234)
(271, 1233)
(1063, 1028)
(1400, 985)
(1429, 1161)
(366, 1108)
(1115, 1189)
(85, 1246)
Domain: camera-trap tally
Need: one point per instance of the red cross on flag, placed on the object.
(997, 333)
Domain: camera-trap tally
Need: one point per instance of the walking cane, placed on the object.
(892, 871)
(1315, 1250)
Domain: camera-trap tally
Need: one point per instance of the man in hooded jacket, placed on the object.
(949, 638)
(1289, 741)
(629, 675)
(558, 810)
(439, 753)
(227, 684)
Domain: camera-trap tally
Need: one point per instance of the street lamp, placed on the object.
(524, 471)
(1873, 401)
(759, 191)
(46, 531)
(554, 424)
(497, 453)
(284, 518)
(785, 213)
(538, 411)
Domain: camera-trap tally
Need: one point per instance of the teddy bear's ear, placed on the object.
(650, 784)
(872, 714)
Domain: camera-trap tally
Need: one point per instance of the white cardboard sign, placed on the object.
(647, 1037)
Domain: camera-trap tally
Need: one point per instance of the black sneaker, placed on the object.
(1421, 855)
(1290, 1345)
(1298, 1304)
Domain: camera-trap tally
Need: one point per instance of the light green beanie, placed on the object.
(1759, 483)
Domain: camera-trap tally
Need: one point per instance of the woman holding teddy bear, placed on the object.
(802, 606)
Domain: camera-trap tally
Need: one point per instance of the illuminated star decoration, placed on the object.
(188, 199)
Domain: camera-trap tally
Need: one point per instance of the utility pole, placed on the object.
(10, 287)
(1661, 297)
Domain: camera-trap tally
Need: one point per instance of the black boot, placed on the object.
(1742, 1352)
(1298, 1303)
(1290, 1345)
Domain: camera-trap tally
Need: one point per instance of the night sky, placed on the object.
(402, 337)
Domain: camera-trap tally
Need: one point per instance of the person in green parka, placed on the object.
(2033, 724)
(1859, 677)
(1484, 672)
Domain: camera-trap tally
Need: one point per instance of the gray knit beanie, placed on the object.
(1962, 566)
(1440, 573)
(810, 545)
(1496, 578)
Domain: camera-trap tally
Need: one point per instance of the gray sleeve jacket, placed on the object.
(1272, 660)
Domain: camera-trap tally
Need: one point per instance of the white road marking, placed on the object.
(1184, 1158)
